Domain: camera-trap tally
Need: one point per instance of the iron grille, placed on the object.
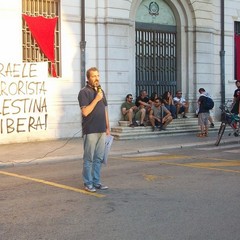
(237, 28)
(155, 59)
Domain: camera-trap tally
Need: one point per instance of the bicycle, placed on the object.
(230, 119)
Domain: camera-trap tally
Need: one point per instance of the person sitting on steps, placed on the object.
(168, 103)
(181, 104)
(153, 96)
(142, 102)
(159, 115)
(131, 112)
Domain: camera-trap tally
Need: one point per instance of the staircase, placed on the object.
(177, 126)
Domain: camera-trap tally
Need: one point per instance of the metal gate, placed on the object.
(156, 65)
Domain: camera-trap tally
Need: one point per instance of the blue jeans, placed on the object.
(94, 146)
(172, 109)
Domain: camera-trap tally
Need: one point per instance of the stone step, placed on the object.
(178, 126)
(176, 123)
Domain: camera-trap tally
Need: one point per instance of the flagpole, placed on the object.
(222, 55)
(83, 44)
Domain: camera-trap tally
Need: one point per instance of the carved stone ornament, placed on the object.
(153, 9)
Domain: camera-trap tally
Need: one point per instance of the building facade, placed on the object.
(156, 45)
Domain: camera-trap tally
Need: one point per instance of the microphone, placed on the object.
(99, 89)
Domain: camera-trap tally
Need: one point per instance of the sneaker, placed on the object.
(184, 116)
(201, 135)
(211, 125)
(154, 128)
(101, 187)
(236, 134)
(135, 124)
(141, 125)
(131, 125)
(90, 188)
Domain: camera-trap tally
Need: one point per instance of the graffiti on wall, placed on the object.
(23, 100)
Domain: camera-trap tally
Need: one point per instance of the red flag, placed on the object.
(43, 30)
(237, 49)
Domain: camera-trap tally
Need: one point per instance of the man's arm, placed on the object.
(143, 103)
(176, 101)
(86, 110)
(125, 111)
(107, 122)
(168, 114)
(151, 113)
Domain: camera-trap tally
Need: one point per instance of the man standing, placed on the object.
(95, 126)
(159, 115)
(203, 114)
(204, 93)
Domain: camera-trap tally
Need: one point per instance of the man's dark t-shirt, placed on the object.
(145, 99)
(95, 122)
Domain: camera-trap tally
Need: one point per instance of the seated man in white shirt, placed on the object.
(181, 104)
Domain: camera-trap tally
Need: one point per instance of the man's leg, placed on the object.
(206, 118)
(177, 109)
(173, 110)
(98, 158)
(130, 116)
(185, 109)
(206, 130)
(154, 123)
(143, 114)
(167, 121)
(89, 144)
(201, 124)
(211, 121)
(152, 120)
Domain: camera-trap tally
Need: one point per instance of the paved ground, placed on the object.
(70, 149)
(177, 193)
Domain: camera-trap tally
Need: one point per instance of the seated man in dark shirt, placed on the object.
(142, 102)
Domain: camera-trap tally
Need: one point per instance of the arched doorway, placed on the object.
(155, 47)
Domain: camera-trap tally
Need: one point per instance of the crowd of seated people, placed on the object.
(156, 111)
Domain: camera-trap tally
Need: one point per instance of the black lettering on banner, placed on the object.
(13, 88)
(3, 91)
(23, 102)
(16, 70)
(9, 125)
(20, 125)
